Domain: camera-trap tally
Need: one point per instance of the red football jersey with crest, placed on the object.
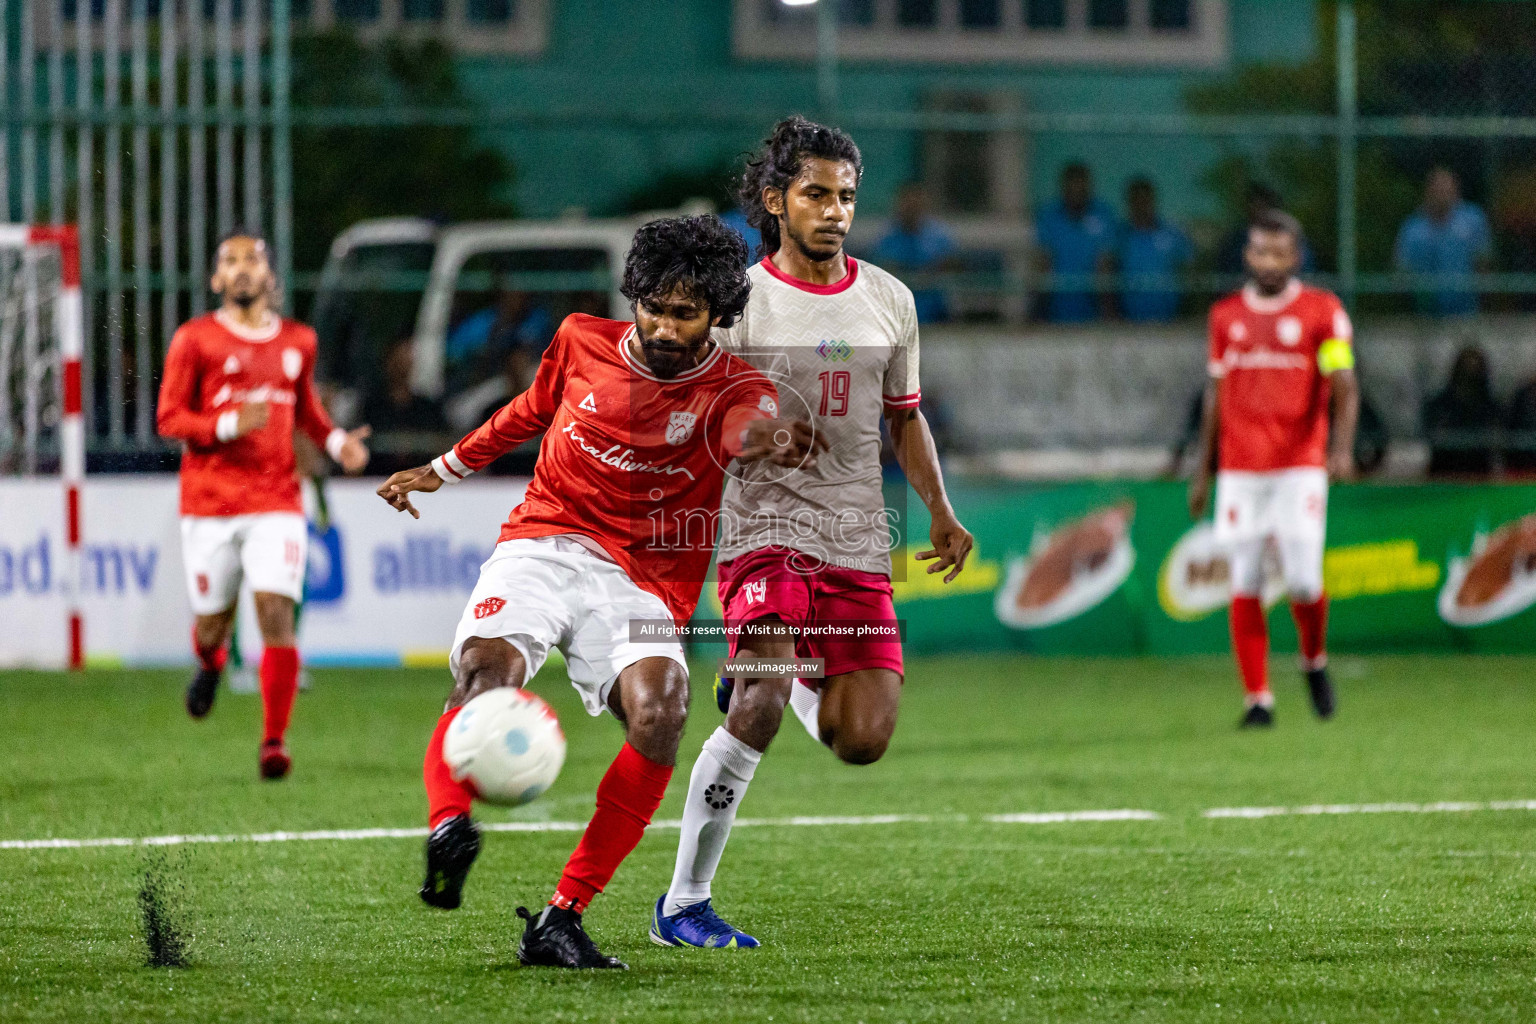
(630, 461)
(1272, 355)
(212, 367)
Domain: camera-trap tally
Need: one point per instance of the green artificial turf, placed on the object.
(1389, 916)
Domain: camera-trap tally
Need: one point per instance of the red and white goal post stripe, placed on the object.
(70, 327)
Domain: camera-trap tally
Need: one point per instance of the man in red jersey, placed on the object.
(1281, 365)
(640, 422)
(237, 382)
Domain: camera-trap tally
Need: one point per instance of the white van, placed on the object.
(489, 300)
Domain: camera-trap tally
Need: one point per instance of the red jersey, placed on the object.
(629, 461)
(1274, 357)
(212, 367)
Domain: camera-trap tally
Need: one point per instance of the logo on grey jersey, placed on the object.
(835, 351)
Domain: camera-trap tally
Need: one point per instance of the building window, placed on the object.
(489, 12)
(854, 12)
(981, 13)
(917, 13)
(1109, 14)
(356, 10)
(1146, 33)
(1046, 14)
(422, 10)
(1170, 15)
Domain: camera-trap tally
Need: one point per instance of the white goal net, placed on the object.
(42, 435)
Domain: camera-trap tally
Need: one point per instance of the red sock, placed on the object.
(210, 658)
(446, 796)
(626, 799)
(279, 682)
(1312, 630)
(1250, 643)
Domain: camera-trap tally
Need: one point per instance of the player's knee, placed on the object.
(656, 707)
(485, 665)
(859, 746)
(861, 738)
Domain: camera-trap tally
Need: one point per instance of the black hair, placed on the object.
(703, 254)
(1141, 181)
(1260, 192)
(1279, 222)
(240, 232)
(778, 163)
(1076, 169)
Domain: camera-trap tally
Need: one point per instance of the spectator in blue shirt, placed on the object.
(1150, 253)
(917, 243)
(737, 218)
(1448, 235)
(1076, 235)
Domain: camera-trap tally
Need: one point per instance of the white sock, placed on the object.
(806, 704)
(715, 790)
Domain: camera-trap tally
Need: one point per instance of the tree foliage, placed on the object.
(345, 174)
(1414, 57)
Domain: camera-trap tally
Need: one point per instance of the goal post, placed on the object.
(42, 341)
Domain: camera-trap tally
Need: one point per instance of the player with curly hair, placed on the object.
(805, 554)
(640, 422)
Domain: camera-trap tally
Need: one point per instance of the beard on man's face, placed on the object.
(667, 359)
(818, 248)
(243, 290)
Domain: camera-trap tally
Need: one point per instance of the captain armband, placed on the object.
(1334, 355)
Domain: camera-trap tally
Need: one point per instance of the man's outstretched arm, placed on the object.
(919, 460)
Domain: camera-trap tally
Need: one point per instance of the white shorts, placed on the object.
(1284, 504)
(545, 592)
(1285, 511)
(266, 549)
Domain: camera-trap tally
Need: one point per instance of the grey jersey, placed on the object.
(839, 355)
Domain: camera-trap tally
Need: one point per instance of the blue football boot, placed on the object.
(723, 690)
(697, 925)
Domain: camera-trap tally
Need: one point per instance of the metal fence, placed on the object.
(157, 124)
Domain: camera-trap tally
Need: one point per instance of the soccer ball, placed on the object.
(507, 745)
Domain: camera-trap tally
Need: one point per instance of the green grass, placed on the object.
(1390, 917)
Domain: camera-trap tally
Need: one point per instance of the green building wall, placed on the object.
(669, 67)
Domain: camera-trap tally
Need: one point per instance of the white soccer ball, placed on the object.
(507, 744)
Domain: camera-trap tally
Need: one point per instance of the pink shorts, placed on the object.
(807, 593)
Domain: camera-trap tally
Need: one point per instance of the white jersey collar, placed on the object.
(645, 371)
(1271, 303)
(266, 332)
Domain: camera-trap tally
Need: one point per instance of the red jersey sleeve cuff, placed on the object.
(911, 401)
(450, 467)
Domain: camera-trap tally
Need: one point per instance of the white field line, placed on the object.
(564, 826)
(1444, 807)
(1021, 818)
